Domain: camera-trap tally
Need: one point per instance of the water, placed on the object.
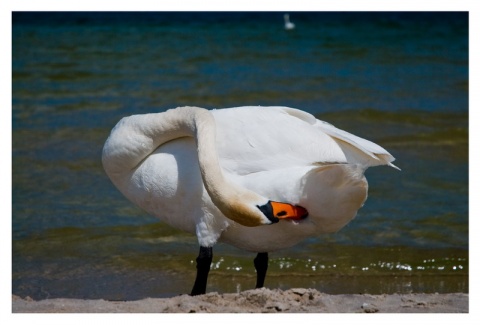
(399, 79)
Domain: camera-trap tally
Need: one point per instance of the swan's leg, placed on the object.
(261, 265)
(204, 260)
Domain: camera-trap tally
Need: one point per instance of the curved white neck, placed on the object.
(137, 136)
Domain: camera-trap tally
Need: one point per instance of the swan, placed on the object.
(258, 178)
(288, 25)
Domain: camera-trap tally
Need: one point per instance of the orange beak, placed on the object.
(288, 211)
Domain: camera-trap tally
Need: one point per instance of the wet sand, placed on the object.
(257, 301)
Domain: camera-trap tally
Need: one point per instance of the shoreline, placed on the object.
(299, 300)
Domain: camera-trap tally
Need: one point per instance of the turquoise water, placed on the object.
(399, 79)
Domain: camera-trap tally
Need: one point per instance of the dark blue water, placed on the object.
(399, 79)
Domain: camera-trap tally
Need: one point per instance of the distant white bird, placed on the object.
(288, 24)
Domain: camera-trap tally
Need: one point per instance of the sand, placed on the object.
(257, 301)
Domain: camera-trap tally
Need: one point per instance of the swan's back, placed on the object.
(252, 139)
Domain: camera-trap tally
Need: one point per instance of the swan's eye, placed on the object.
(281, 213)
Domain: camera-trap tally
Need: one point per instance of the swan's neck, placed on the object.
(136, 137)
(227, 196)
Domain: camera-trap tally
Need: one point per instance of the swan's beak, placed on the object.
(288, 211)
(275, 211)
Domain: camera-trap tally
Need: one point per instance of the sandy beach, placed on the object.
(263, 300)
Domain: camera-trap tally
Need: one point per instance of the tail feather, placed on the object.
(379, 155)
(360, 151)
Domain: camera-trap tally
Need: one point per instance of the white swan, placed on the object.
(233, 174)
(288, 24)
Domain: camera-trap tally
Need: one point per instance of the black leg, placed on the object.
(204, 260)
(261, 265)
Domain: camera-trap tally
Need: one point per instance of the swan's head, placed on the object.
(252, 215)
(274, 211)
(249, 208)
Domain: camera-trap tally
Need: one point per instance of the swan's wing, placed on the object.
(252, 139)
(304, 116)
